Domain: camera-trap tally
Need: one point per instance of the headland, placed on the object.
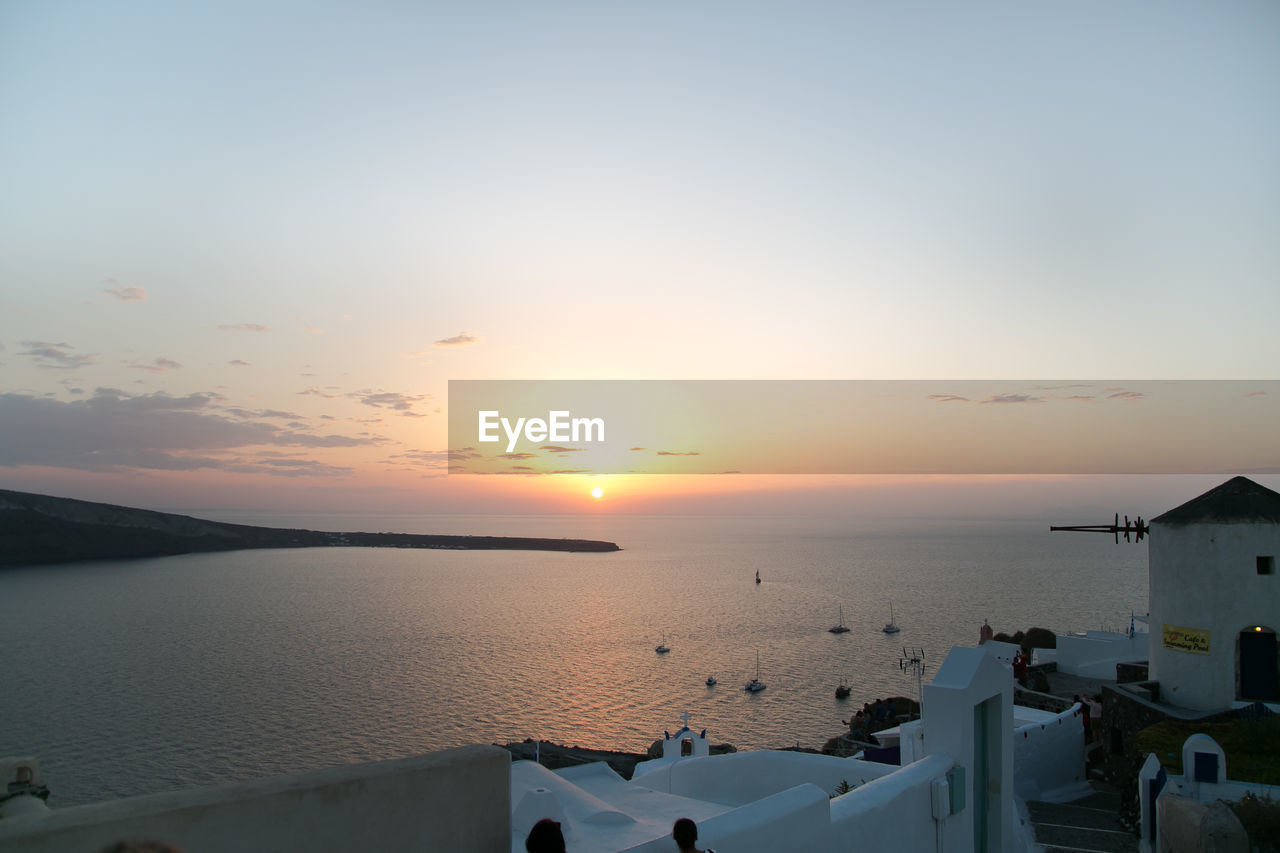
(39, 529)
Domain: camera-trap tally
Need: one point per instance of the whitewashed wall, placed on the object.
(747, 776)
(891, 813)
(1049, 759)
(1096, 654)
(1186, 786)
(1204, 576)
(796, 819)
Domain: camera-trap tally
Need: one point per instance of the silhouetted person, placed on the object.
(685, 832)
(545, 837)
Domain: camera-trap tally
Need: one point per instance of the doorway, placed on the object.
(1257, 675)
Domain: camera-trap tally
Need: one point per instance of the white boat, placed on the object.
(891, 627)
(840, 627)
(661, 648)
(755, 685)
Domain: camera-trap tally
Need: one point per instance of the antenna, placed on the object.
(913, 662)
(1136, 527)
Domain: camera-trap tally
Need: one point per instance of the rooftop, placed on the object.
(1237, 501)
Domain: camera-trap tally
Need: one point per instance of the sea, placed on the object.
(130, 677)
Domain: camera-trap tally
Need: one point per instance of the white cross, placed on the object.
(685, 717)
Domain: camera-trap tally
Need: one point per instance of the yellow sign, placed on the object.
(1192, 640)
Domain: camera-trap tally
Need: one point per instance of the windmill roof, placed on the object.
(1237, 501)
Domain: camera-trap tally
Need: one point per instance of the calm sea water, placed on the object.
(136, 676)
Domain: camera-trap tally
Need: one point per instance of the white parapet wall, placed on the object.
(798, 818)
(1049, 759)
(890, 813)
(1096, 654)
(458, 799)
(745, 777)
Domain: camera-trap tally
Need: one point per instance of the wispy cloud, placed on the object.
(126, 294)
(237, 412)
(244, 327)
(396, 402)
(312, 330)
(1013, 398)
(1256, 394)
(948, 398)
(238, 362)
(57, 356)
(155, 365)
(113, 430)
(1063, 387)
(287, 467)
(555, 448)
(117, 400)
(679, 453)
(313, 391)
(520, 456)
(423, 457)
(460, 340)
(1126, 395)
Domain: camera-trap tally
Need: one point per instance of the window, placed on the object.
(1266, 565)
(1206, 767)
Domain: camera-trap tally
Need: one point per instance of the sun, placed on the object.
(597, 493)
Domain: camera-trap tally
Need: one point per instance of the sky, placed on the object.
(244, 247)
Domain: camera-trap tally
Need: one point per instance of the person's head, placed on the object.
(545, 837)
(685, 832)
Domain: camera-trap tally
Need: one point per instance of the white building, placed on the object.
(964, 766)
(1215, 598)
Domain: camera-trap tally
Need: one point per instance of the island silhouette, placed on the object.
(37, 529)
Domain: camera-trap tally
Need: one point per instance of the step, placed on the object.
(1074, 814)
(1074, 838)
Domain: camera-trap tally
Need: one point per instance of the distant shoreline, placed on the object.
(40, 530)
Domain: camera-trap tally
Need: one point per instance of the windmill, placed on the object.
(1137, 527)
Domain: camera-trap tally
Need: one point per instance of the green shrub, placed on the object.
(1042, 638)
(1261, 819)
(1252, 747)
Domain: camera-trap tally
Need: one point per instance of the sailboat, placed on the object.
(661, 648)
(840, 628)
(757, 576)
(891, 627)
(842, 692)
(755, 685)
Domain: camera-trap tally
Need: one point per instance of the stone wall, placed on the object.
(1127, 673)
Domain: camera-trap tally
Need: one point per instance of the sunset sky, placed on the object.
(245, 246)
